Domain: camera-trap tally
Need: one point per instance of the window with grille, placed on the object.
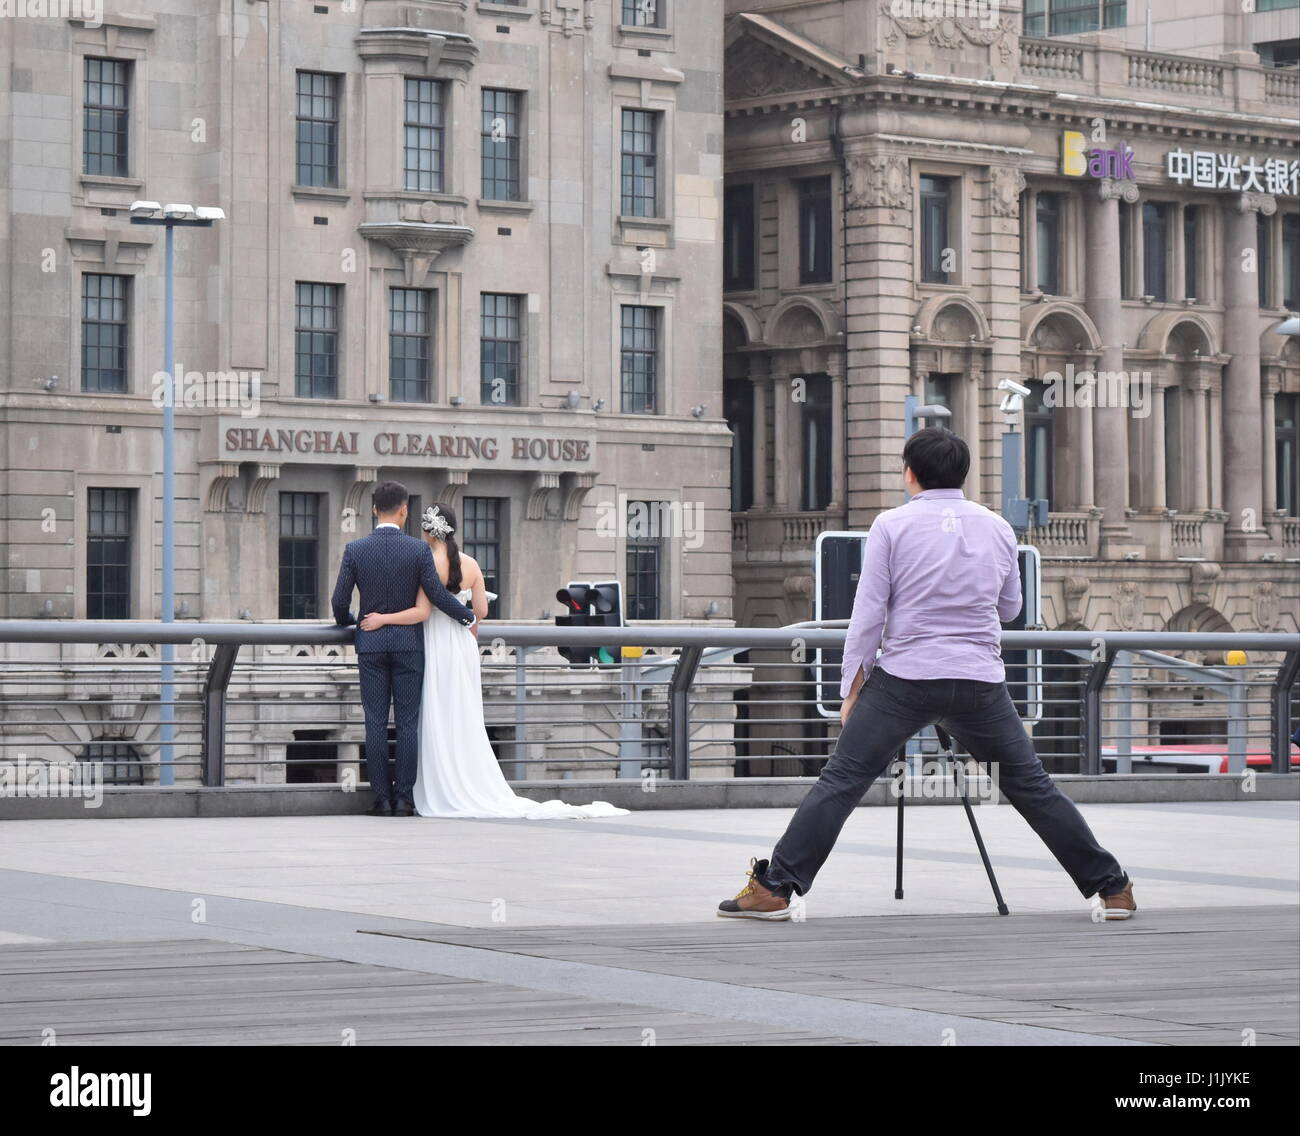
(106, 109)
(410, 346)
(643, 13)
(316, 340)
(109, 536)
(644, 561)
(639, 364)
(1155, 249)
(738, 239)
(500, 348)
(640, 172)
(318, 129)
(936, 226)
(480, 533)
(118, 762)
(299, 555)
(501, 151)
(424, 135)
(103, 332)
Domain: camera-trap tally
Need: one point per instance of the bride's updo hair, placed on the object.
(445, 532)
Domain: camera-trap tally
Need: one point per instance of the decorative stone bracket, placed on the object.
(218, 500)
(450, 493)
(263, 476)
(544, 484)
(364, 476)
(577, 486)
(416, 243)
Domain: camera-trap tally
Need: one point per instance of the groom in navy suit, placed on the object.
(389, 568)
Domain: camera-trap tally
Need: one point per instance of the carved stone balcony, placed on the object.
(786, 537)
(1074, 536)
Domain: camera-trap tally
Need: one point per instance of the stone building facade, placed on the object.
(913, 206)
(471, 246)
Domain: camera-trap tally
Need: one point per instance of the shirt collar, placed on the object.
(387, 525)
(940, 495)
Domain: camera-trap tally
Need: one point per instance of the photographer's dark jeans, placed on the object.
(983, 718)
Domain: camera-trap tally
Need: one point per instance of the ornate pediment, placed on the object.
(754, 69)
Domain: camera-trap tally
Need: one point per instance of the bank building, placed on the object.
(474, 247)
(929, 198)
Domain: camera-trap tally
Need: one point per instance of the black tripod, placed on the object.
(959, 782)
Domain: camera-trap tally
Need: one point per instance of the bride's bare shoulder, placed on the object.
(470, 572)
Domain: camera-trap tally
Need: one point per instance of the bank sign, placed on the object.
(1205, 169)
(1077, 160)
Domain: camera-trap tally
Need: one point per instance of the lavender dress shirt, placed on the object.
(940, 576)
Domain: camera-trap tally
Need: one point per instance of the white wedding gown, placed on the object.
(459, 775)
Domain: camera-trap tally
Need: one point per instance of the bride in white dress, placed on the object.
(459, 775)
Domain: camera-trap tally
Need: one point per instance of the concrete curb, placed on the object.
(728, 793)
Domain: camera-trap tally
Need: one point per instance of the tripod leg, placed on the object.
(979, 840)
(898, 857)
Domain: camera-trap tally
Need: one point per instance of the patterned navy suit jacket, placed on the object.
(389, 568)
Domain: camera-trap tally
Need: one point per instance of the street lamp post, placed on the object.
(170, 216)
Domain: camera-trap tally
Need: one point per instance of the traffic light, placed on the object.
(577, 600)
(591, 605)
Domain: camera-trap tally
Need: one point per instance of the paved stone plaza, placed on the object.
(316, 930)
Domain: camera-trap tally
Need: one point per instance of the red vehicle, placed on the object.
(1208, 757)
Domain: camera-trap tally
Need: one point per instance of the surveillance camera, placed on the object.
(1014, 387)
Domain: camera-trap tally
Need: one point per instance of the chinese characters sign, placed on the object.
(1203, 169)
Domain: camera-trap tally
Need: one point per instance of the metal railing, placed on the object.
(692, 699)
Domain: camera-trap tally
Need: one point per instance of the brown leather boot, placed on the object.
(756, 901)
(1120, 905)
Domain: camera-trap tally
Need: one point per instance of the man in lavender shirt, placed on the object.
(939, 577)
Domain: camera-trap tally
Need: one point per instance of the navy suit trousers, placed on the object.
(392, 678)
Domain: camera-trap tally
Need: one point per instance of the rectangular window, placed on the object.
(936, 220)
(815, 423)
(424, 131)
(317, 129)
(299, 555)
(105, 95)
(1069, 17)
(316, 340)
(501, 163)
(1286, 418)
(738, 239)
(410, 345)
(644, 560)
(642, 13)
(500, 348)
(639, 365)
(103, 333)
(414, 512)
(1173, 449)
(1291, 262)
(640, 168)
(1155, 250)
(1049, 243)
(109, 532)
(738, 395)
(814, 230)
(1192, 251)
(1039, 439)
(1264, 258)
(480, 537)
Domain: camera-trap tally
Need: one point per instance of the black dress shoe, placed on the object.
(404, 809)
(380, 809)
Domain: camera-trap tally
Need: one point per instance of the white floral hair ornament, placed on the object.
(434, 522)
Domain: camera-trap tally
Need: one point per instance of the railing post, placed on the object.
(1281, 725)
(214, 713)
(1124, 716)
(1090, 718)
(679, 713)
(1236, 725)
(519, 752)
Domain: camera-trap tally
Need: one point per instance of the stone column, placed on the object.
(839, 474)
(1200, 450)
(1156, 425)
(1243, 441)
(758, 373)
(1110, 423)
(1271, 387)
(781, 442)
